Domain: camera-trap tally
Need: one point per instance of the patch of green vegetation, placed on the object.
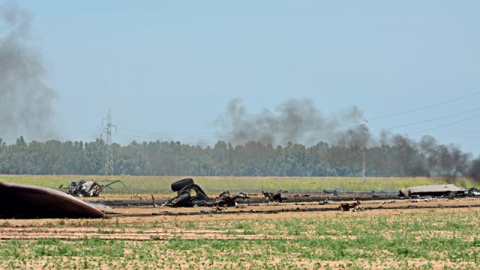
(358, 242)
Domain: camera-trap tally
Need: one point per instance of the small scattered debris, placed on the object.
(326, 202)
(273, 197)
(207, 211)
(220, 209)
(352, 206)
(153, 201)
(225, 199)
(473, 192)
(330, 192)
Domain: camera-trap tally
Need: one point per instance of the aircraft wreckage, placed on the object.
(89, 188)
(449, 190)
(27, 201)
(190, 194)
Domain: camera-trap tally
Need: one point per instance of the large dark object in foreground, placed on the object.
(26, 201)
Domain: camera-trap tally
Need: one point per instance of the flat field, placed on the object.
(214, 185)
(301, 233)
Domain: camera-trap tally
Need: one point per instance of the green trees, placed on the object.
(223, 159)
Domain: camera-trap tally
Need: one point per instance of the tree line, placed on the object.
(54, 157)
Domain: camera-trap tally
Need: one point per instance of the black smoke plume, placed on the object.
(299, 121)
(295, 121)
(25, 100)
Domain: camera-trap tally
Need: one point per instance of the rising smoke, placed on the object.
(25, 100)
(295, 121)
(299, 121)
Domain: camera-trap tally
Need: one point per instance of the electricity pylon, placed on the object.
(107, 129)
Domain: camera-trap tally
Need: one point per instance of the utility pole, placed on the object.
(107, 129)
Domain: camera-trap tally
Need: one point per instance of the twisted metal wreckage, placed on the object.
(185, 198)
(28, 201)
(89, 188)
(448, 190)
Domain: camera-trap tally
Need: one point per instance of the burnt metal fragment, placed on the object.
(331, 192)
(185, 196)
(89, 188)
(190, 194)
(351, 206)
(273, 197)
(449, 190)
(225, 199)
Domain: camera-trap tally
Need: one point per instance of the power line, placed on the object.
(449, 124)
(403, 90)
(423, 108)
(434, 119)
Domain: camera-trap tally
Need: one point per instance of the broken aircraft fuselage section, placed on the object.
(448, 190)
(27, 201)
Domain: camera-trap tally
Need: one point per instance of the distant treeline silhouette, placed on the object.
(224, 159)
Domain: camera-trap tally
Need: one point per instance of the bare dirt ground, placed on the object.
(137, 220)
(128, 211)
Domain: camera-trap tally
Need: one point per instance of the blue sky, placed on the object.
(168, 69)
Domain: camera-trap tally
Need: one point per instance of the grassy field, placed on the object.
(412, 241)
(410, 238)
(161, 184)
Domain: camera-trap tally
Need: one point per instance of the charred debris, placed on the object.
(190, 194)
(445, 191)
(90, 188)
(27, 201)
(274, 197)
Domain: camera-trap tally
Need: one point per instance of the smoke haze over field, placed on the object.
(295, 120)
(25, 100)
(299, 121)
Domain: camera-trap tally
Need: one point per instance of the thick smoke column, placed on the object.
(25, 100)
(433, 158)
(296, 121)
(299, 121)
